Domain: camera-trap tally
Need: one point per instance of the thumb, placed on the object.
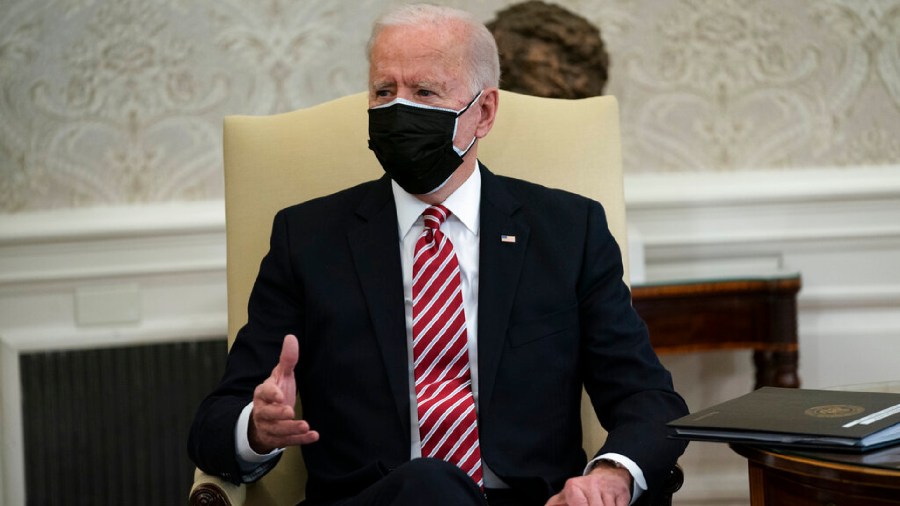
(290, 353)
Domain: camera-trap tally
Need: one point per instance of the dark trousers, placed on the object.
(430, 482)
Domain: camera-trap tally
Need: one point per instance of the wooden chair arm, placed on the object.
(663, 496)
(211, 490)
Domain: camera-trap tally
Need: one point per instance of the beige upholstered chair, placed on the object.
(272, 162)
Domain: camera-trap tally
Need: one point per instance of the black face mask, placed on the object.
(414, 143)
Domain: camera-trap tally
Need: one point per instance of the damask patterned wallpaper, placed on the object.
(121, 101)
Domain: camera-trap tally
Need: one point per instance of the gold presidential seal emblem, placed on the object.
(834, 411)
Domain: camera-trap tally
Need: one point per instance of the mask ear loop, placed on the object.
(458, 151)
(462, 152)
(466, 108)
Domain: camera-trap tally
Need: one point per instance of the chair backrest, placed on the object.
(275, 161)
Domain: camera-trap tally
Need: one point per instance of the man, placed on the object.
(435, 367)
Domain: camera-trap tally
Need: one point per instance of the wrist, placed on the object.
(612, 467)
(605, 463)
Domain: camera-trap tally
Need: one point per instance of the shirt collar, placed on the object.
(464, 203)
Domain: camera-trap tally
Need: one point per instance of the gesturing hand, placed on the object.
(603, 486)
(272, 423)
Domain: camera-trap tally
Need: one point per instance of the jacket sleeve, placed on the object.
(274, 310)
(630, 390)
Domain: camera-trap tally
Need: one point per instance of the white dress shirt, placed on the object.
(462, 228)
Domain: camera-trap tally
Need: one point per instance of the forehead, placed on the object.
(405, 54)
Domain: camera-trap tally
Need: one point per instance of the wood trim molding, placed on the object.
(761, 187)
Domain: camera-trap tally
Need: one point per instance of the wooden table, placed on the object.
(795, 478)
(758, 313)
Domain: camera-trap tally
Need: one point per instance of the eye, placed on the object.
(382, 93)
(425, 93)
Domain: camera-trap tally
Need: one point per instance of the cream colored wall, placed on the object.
(120, 101)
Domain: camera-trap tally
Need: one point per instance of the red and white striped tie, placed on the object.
(447, 422)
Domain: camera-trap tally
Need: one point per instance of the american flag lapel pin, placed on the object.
(508, 238)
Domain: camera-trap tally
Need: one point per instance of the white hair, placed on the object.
(483, 59)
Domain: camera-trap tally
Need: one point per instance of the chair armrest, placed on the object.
(211, 490)
(663, 495)
(673, 482)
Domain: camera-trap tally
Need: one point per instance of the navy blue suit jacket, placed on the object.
(554, 314)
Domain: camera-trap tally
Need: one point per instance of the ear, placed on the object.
(489, 102)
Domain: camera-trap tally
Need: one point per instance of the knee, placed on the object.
(426, 468)
(437, 480)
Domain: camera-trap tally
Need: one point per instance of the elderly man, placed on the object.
(446, 318)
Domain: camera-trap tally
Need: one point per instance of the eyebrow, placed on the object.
(430, 85)
(383, 84)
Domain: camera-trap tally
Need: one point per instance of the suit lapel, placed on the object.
(500, 265)
(376, 254)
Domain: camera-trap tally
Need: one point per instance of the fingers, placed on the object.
(596, 489)
(267, 433)
(280, 387)
(281, 433)
(269, 393)
(576, 496)
(269, 401)
(272, 423)
(556, 500)
(290, 353)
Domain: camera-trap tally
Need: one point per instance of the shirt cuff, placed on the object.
(248, 459)
(639, 485)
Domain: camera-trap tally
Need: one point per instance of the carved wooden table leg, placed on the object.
(755, 313)
(776, 368)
